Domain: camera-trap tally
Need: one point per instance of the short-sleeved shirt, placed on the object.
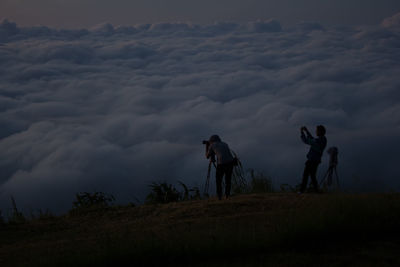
(221, 151)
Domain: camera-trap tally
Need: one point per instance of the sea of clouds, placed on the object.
(113, 109)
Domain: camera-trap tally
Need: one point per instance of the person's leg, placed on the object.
(228, 179)
(306, 173)
(313, 175)
(218, 177)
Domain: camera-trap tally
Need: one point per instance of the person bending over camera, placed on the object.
(317, 146)
(225, 161)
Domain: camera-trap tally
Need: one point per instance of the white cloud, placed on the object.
(114, 108)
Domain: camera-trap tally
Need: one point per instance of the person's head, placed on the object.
(320, 131)
(214, 138)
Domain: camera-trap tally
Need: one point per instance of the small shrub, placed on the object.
(260, 183)
(190, 193)
(166, 193)
(162, 193)
(16, 217)
(91, 201)
(255, 182)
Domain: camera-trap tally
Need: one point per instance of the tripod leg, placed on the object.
(323, 179)
(330, 174)
(206, 186)
(337, 178)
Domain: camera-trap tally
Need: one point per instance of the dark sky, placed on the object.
(86, 13)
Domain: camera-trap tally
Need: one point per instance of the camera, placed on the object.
(205, 142)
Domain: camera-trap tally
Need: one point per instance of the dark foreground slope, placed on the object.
(248, 230)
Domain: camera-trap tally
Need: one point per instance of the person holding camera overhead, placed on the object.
(317, 146)
(225, 162)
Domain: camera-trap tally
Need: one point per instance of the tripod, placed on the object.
(327, 181)
(207, 184)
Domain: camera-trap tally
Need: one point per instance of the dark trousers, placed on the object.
(310, 170)
(224, 169)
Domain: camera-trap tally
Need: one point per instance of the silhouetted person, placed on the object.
(317, 146)
(220, 150)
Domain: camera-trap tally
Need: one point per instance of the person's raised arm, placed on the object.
(303, 136)
(307, 132)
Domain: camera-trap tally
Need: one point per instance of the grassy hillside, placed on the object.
(248, 230)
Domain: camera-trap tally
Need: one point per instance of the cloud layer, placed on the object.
(114, 108)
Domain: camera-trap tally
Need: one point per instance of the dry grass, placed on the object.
(247, 230)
